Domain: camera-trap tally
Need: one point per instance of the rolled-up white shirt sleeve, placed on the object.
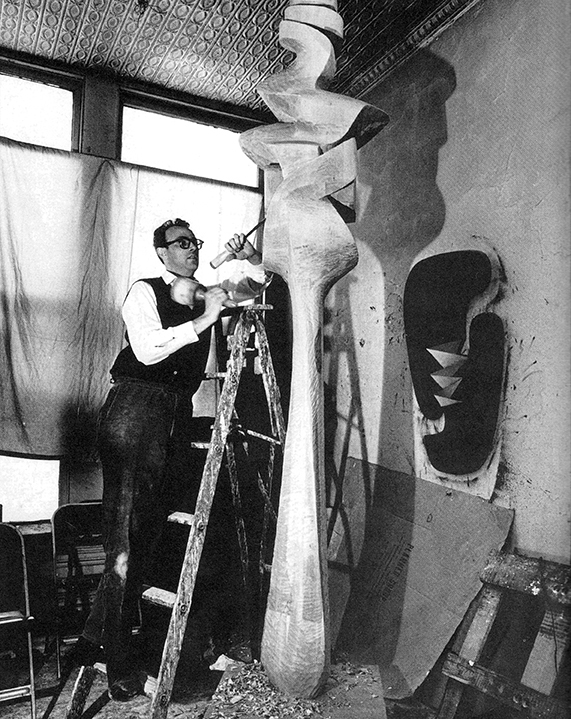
(150, 342)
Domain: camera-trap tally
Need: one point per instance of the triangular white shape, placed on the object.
(446, 359)
(449, 391)
(451, 370)
(444, 381)
(445, 401)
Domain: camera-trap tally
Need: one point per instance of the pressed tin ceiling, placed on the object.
(213, 50)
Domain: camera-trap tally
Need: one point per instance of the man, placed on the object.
(142, 426)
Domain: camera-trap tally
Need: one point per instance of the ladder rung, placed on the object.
(215, 375)
(181, 518)
(15, 692)
(160, 597)
(251, 433)
(200, 445)
(11, 617)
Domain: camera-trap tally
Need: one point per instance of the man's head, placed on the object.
(177, 247)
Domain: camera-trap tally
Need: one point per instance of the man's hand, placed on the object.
(215, 299)
(183, 291)
(242, 249)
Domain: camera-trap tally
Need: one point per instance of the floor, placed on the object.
(52, 701)
(241, 691)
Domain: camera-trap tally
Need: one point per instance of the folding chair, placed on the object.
(78, 563)
(15, 617)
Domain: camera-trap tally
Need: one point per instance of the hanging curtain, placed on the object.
(75, 232)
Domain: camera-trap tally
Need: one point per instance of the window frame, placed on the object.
(193, 112)
(63, 79)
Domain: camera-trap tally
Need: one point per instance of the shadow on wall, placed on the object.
(402, 212)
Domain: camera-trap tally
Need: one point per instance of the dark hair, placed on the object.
(159, 239)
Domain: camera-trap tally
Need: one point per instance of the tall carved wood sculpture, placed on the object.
(310, 156)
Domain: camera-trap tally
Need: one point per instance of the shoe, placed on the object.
(126, 688)
(84, 654)
(241, 652)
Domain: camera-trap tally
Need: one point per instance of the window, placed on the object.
(180, 145)
(35, 112)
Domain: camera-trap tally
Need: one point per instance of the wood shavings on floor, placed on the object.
(247, 693)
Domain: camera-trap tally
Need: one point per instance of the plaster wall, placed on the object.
(476, 153)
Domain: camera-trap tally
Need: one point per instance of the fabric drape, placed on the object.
(75, 232)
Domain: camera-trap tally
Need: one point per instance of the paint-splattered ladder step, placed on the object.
(159, 597)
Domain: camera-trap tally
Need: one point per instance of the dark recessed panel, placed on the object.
(463, 385)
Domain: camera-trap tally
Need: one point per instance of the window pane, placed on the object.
(171, 143)
(34, 112)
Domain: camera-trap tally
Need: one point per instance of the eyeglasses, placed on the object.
(186, 242)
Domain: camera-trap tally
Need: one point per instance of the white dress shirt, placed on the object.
(150, 342)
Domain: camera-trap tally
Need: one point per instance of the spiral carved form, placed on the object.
(310, 161)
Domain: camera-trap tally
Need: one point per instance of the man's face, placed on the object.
(179, 261)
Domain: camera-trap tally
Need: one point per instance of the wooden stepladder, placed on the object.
(250, 319)
(535, 694)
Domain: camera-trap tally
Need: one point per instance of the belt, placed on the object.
(154, 385)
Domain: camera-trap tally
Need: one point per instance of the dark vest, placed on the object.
(183, 370)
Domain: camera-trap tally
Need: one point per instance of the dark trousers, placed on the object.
(144, 437)
(136, 426)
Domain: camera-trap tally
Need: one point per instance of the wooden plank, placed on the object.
(488, 603)
(11, 617)
(451, 699)
(263, 437)
(15, 693)
(238, 514)
(159, 597)
(506, 691)
(80, 692)
(181, 518)
(273, 397)
(481, 617)
(529, 575)
(549, 649)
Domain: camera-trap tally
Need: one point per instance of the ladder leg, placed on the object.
(238, 515)
(270, 384)
(182, 600)
(181, 607)
(242, 540)
(278, 425)
(80, 692)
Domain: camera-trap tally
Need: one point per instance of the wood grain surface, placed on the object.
(311, 154)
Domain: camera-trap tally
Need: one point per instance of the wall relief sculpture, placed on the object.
(456, 349)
